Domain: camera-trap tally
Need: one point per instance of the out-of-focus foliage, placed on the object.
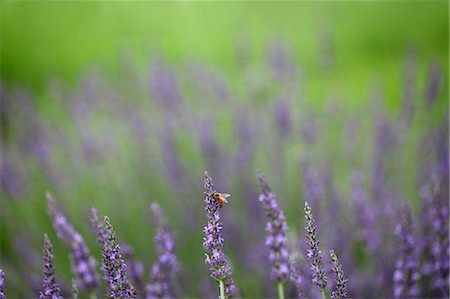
(116, 105)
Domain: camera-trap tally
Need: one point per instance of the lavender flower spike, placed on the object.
(50, 289)
(113, 265)
(166, 266)
(83, 265)
(339, 292)
(313, 253)
(405, 274)
(2, 284)
(276, 234)
(213, 243)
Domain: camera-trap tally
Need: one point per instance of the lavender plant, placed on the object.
(406, 275)
(314, 252)
(50, 290)
(213, 243)
(2, 284)
(113, 265)
(166, 266)
(340, 290)
(83, 265)
(276, 236)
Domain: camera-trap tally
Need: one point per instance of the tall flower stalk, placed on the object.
(113, 265)
(276, 236)
(340, 290)
(313, 252)
(83, 265)
(406, 274)
(213, 243)
(50, 290)
(166, 266)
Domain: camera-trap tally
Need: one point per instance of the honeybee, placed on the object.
(221, 198)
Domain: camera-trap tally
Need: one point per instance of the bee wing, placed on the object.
(225, 196)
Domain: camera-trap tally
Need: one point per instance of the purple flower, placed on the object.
(213, 241)
(405, 274)
(276, 233)
(340, 291)
(166, 266)
(83, 265)
(2, 284)
(113, 265)
(50, 289)
(313, 252)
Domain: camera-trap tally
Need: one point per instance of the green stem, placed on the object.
(322, 292)
(222, 289)
(93, 295)
(280, 291)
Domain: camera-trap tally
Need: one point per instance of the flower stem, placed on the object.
(280, 291)
(322, 292)
(93, 295)
(222, 289)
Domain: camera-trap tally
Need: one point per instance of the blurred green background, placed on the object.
(51, 49)
(42, 39)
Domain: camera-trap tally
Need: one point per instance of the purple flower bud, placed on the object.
(2, 284)
(166, 266)
(405, 276)
(83, 265)
(340, 291)
(318, 275)
(276, 233)
(213, 241)
(50, 289)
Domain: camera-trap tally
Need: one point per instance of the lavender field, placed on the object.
(301, 157)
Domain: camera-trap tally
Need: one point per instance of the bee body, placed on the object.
(221, 198)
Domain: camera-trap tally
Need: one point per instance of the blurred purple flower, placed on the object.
(2, 284)
(10, 181)
(340, 290)
(164, 269)
(283, 117)
(213, 241)
(406, 275)
(434, 84)
(313, 253)
(281, 61)
(113, 265)
(83, 265)
(276, 233)
(50, 289)
(163, 83)
(365, 214)
(135, 269)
